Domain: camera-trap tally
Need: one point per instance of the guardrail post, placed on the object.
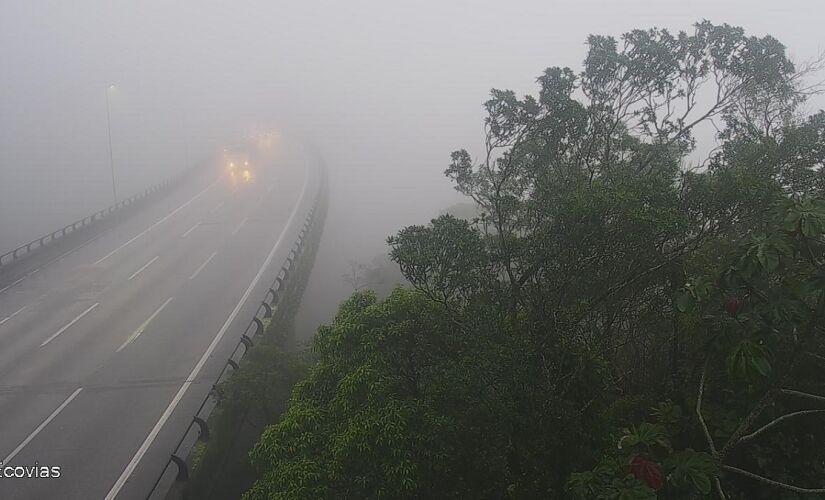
(203, 428)
(259, 325)
(267, 309)
(183, 470)
(246, 341)
(274, 296)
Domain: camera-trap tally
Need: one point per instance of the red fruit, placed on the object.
(647, 471)
(732, 306)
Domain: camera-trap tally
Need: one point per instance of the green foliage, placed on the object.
(647, 435)
(608, 483)
(447, 259)
(689, 470)
(602, 277)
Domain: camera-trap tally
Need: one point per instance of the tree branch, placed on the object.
(746, 424)
(704, 425)
(790, 392)
(719, 489)
(777, 421)
(815, 356)
(772, 482)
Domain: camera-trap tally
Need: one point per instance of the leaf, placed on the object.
(761, 365)
(683, 300)
(689, 469)
(818, 278)
(702, 483)
(747, 359)
(647, 471)
(646, 434)
(702, 288)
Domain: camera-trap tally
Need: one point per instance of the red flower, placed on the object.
(732, 306)
(647, 471)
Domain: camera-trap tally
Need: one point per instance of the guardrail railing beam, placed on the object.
(12, 255)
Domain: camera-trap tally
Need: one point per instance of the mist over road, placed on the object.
(112, 341)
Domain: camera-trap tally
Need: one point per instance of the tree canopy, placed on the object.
(618, 322)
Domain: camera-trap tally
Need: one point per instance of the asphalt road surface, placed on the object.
(106, 353)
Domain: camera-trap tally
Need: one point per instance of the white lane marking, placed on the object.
(217, 207)
(184, 235)
(198, 270)
(197, 369)
(240, 226)
(144, 267)
(170, 214)
(143, 326)
(15, 313)
(9, 286)
(41, 426)
(79, 316)
(33, 271)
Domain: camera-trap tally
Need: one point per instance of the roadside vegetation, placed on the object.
(615, 319)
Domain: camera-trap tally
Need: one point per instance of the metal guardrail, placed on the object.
(254, 329)
(25, 249)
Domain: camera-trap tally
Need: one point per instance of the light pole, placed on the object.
(111, 156)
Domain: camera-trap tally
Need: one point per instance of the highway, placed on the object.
(106, 353)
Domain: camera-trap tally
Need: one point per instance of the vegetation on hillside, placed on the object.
(615, 323)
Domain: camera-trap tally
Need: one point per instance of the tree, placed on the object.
(757, 326)
(601, 277)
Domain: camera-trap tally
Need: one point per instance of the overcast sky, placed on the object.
(386, 89)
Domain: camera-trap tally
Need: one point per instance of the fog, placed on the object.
(384, 89)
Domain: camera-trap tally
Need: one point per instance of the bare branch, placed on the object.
(767, 399)
(719, 489)
(702, 422)
(790, 392)
(772, 482)
(815, 356)
(777, 421)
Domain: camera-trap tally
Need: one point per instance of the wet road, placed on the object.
(106, 353)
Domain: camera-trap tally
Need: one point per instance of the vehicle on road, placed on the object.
(238, 163)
